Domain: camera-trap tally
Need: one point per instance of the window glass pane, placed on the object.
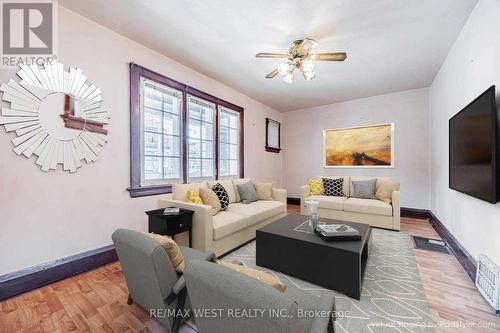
(233, 121)
(208, 115)
(171, 145)
(194, 148)
(194, 111)
(194, 128)
(223, 151)
(171, 168)
(152, 144)
(207, 149)
(152, 167)
(223, 119)
(224, 168)
(273, 136)
(207, 167)
(233, 136)
(194, 168)
(224, 134)
(234, 154)
(172, 105)
(233, 167)
(207, 131)
(152, 120)
(152, 97)
(171, 124)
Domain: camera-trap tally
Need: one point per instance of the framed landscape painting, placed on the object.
(359, 147)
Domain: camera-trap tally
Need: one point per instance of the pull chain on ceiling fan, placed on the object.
(300, 57)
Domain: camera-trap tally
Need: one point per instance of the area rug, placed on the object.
(392, 298)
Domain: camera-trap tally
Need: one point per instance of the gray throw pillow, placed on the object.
(247, 192)
(364, 189)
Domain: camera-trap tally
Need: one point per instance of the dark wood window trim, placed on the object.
(136, 72)
(268, 148)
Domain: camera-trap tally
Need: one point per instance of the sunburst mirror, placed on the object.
(56, 114)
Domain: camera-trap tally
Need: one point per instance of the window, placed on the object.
(229, 146)
(161, 134)
(179, 134)
(201, 140)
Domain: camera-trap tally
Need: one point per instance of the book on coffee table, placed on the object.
(340, 232)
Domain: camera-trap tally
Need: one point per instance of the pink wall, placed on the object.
(47, 216)
(408, 110)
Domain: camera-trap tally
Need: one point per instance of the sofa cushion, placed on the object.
(257, 211)
(221, 193)
(328, 202)
(172, 249)
(264, 190)
(228, 186)
(364, 189)
(194, 197)
(367, 206)
(210, 198)
(385, 190)
(263, 277)
(333, 187)
(236, 182)
(227, 223)
(379, 180)
(179, 190)
(247, 192)
(345, 184)
(316, 186)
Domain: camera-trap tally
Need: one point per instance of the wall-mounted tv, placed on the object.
(474, 149)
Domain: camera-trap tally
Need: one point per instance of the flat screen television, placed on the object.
(474, 149)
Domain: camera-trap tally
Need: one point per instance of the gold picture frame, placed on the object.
(369, 146)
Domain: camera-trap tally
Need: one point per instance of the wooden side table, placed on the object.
(170, 225)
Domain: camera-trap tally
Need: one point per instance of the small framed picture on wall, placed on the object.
(273, 141)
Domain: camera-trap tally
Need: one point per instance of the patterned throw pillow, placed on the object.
(222, 195)
(316, 186)
(193, 197)
(333, 187)
(172, 249)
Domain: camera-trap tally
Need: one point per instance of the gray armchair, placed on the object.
(234, 298)
(151, 278)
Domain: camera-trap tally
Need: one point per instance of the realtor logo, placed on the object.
(27, 30)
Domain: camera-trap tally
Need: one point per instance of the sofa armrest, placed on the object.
(304, 193)
(396, 210)
(202, 231)
(279, 194)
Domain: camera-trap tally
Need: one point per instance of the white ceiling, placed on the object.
(392, 45)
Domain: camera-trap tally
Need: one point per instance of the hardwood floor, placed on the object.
(96, 301)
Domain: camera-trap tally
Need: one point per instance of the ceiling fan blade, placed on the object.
(337, 56)
(271, 55)
(272, 74)
(308, 44)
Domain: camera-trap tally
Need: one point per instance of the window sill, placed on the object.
(149, 190)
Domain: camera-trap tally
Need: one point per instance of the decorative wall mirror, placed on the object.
(56, 114)
(273, 141)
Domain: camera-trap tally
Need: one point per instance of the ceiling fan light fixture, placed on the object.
(283, 68)
(308, 65)
(288, 78)
(309, 75)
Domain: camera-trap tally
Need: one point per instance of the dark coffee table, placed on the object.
(289, 246)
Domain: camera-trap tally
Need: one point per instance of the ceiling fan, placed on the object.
(300, 57)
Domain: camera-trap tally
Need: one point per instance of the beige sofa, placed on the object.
(233, 227)
(375, 212)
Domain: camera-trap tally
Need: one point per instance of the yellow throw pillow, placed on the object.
(264, 190)
(258, 275)
(172, 249)
(316, 186)
(192, 196)
(385, 189)
(210, 198)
